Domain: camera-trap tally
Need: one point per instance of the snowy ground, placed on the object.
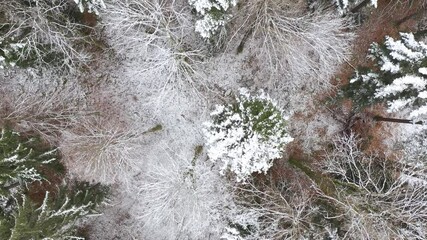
(163, 185)
(171, 193)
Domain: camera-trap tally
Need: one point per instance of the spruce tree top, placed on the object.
(399, 78)
(247, 135)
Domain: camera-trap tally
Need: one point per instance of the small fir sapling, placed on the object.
(20, 162)
(247, 135)
(399, 78)
(214, 15)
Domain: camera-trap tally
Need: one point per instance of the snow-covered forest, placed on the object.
(213, 119)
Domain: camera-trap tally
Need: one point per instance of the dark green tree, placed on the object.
(55, 218)
(21, 161)
(247, 135)
(398, 79)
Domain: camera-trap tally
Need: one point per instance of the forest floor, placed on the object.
(166, 188)
(181, 131)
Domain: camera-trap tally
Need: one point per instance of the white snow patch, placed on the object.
(401, 84)
(423, 70)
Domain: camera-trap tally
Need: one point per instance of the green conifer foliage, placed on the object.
(247, 135)
(20, 162)
(399, 78)
(55, 218)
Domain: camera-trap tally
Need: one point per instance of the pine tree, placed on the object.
(55, 218)
(247, 135)
(20, 163)
(399, 78)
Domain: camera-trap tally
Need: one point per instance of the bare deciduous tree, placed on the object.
(101, 151)
(180, 197)
(166, 44)
(376, 198)
(41, 103)
(298, 44)
(45, 31)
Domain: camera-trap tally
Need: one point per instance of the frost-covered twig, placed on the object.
(376, 197)
(273, 212)
(42, 33)
(41, 104)
(157, 36)
(297, 44)
(180, 197)
(101, 151)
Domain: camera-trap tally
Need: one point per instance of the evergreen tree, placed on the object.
(55, 218)
(214, 15)
(345, 5)
(247, 135)
(90, 5)
(20, 163)
(398, 79)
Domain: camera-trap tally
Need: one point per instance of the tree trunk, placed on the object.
(406, 18)
(397, 120)
(360, 6)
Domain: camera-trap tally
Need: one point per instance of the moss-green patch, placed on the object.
(156, 128)
(217, 14)
(241, 47)
(197, 151)
(349, 187)
(326, 208)
(323, 182)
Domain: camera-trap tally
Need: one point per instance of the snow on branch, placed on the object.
(214, 15)
(345, 5)
(90, 5)
(20, 161)
(247, 135)
(377, 198)
(400, 80)
(41, 33)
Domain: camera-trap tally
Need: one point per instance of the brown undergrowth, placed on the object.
(390, 18)
(374, 133)
(282, 172)
(37, 190)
